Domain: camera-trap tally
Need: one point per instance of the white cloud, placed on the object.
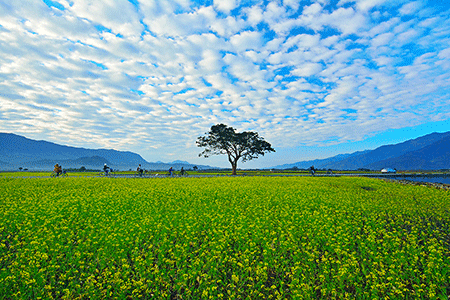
(225, 5)
(383, 27)
(445, 54)
(228, 26)
(254, 15)
(246, 40)
(346, 20)
(382, 39)
(118, 15)
(293, 4)
(178, 25)
(211, 61)
(308, 69)
(243, 69)
(407, 36)
(313, 9)
(410, 8)
(366, 5)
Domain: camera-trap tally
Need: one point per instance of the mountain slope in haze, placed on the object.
(318, 163)
(18, 151)
(429, 152)
(4, 165)
(432, 157)
(369, 158)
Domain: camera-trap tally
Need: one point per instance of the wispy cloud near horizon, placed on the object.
(151, 76)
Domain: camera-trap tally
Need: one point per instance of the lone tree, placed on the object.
(222, 139)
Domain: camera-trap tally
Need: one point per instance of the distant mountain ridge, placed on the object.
(18, 151)
(432, 157)
(318, 163)
(429, 152)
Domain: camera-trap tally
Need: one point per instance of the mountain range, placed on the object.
(428, 152)
(18, 151)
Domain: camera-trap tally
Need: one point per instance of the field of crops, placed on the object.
(222, 238)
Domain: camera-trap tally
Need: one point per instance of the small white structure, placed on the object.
(388, 170)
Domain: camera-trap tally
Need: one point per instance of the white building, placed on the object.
(388, 170)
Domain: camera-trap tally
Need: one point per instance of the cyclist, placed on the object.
(140, 170)
(171, 171)
(106, 169)
(57, 170)
(182, 171)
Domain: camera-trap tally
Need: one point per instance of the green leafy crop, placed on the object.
(222, 238)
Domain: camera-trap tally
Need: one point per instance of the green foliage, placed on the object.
(223, 237)
(222, 139)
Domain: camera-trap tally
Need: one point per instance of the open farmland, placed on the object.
(223, 237)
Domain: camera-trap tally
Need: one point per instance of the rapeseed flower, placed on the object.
(274, 238)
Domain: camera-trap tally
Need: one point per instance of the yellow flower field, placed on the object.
(222, 238)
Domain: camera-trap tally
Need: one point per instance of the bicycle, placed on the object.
(110, 172)
(177, 174)
(140, 174)
(62, 174)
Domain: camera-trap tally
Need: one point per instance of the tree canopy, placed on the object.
(222, 139)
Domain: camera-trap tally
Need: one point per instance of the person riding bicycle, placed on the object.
(58, 169)
(140, 170)
(182, 171)
(171, 171)
(106, 169)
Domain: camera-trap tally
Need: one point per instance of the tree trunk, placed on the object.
(233, 168)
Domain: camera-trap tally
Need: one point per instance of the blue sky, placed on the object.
(314, 78)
